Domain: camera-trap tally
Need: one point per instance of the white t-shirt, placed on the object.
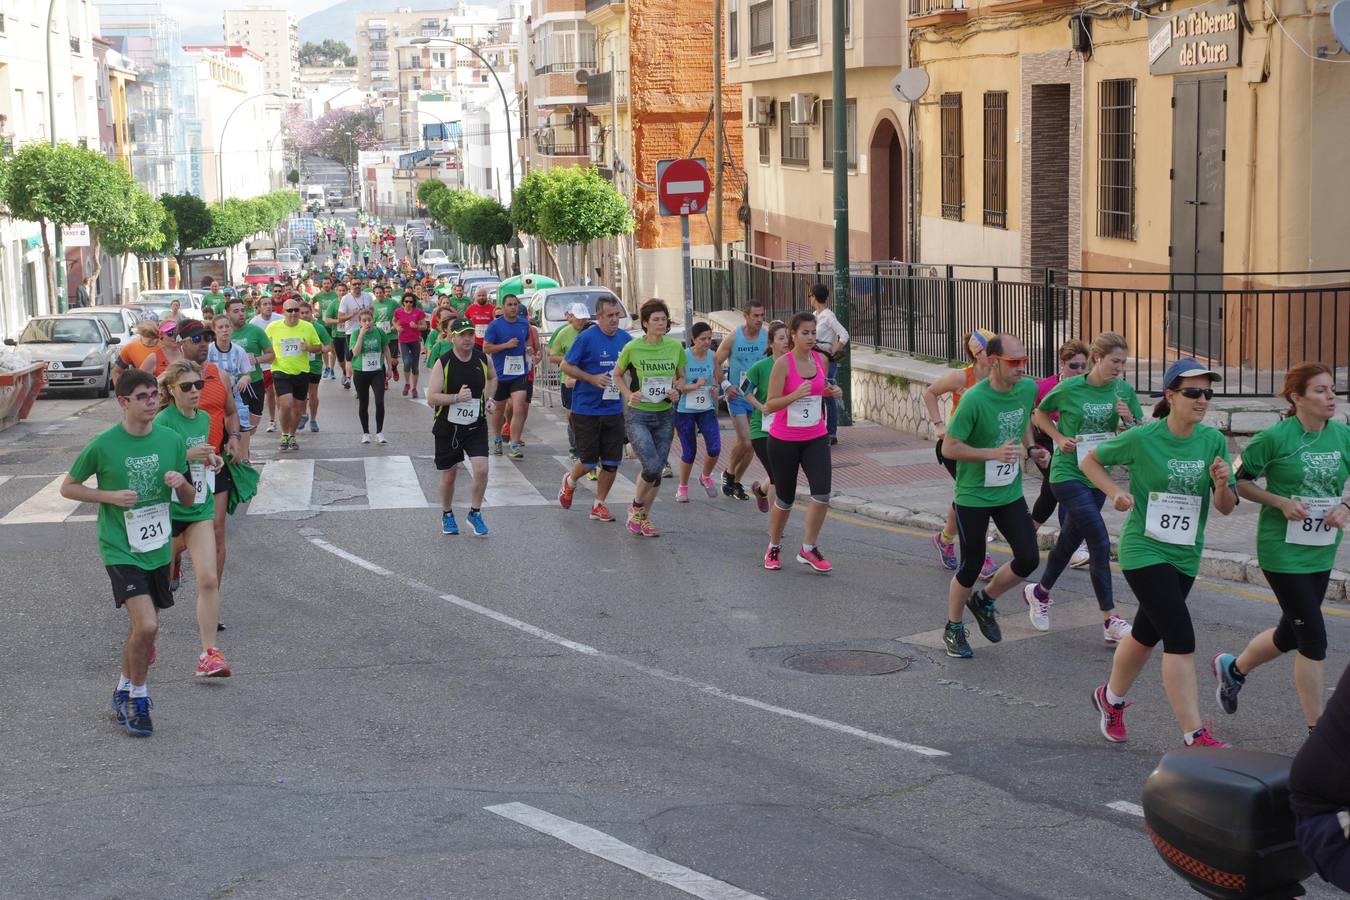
(354, 303)
(263, 323)
(830, 335)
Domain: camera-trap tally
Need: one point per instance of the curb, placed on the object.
(1238, 568)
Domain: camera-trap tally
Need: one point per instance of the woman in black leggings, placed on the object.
(371, 350)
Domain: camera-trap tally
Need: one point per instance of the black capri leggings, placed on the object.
(812, 457)
(1161, 590)
(1013, 522)
(1301, 626)
(365, 383)
(761, 448)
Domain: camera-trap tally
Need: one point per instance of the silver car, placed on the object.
(121, 321)
(78, 351)
(548, 306)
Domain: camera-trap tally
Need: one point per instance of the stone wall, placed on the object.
(889, 390)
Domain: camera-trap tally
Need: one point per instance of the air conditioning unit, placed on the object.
(758, 112)
(802, 109)
(583, 75)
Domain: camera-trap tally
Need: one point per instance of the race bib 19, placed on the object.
(1089, 442)
(699, 400)
(656, 390)
(1313, 530)
(1172, 518)
(147, 527)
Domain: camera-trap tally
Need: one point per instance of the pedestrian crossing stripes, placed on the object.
(622, 491)
(47, 505)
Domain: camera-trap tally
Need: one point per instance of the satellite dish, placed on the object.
(1340, 22)
(911, 84)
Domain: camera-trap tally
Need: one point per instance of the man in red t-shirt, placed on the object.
(480, 312)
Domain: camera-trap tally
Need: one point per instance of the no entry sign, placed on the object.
(682, 186)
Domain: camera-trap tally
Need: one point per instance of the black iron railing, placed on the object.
(1250, 326)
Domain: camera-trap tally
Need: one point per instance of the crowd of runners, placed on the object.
(194, 395)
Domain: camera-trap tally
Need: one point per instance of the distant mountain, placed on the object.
(201, 34)
(339, 20)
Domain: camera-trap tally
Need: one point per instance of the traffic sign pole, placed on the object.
(682, 187)
(687, 268)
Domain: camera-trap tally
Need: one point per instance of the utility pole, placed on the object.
(717, 131)
(840, 125)
(59, 250)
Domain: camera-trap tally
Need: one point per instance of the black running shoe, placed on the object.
(138, 717)
(982, 608)
(738, 491)
(954, 637)
(728, 484)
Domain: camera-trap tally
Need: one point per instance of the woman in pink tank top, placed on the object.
(799, 441)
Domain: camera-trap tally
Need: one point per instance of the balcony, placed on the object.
(607, 88)
(379, 45)
(563, 68)
(593, 6)
(935, 12)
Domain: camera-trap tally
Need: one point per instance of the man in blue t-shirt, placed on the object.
(505, 342)
(597, 406)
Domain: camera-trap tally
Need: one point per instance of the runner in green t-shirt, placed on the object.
(316, 361)
(1305, 460)
(1175, 464)
(140, 467)
(755, 390)
(326, 303)
(214, 299)
(988, 436)
(259, 349)
(1091, 408)
(370, 349)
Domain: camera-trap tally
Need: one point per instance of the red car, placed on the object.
(263, 271)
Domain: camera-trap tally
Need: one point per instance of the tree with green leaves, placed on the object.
(484, 223)
(427, 189)
(328, 53)
(143, 234)
(191, 224)
(572, 205)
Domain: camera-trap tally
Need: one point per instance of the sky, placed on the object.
(199, 13)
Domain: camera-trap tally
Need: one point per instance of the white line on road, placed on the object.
(4, 478)
(597, 843)
(391, 483)
(1133, 809)
(652, 671)
(285, 485)
(46, 506)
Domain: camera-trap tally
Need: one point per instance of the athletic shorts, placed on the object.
(599, 438)
(566, 391)
(460, 442)
(506, 388)
(254, 397)
(296, 386)
(133, 581)
(224, 481)
(739, 406)
(178, 529)
(315, 377)
(340, 347)
(411, 353)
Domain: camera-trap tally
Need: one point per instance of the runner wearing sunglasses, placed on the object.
(988, 437)
(411, 321)
(1175, 464)
(1073, 361)
(294, 340)
(140, 467)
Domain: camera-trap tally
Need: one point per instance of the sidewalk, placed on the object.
(895, 477)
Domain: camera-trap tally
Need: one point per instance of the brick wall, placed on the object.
(1055, 67)
(670, 53)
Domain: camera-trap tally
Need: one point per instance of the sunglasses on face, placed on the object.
(186, 386)
(197, 338)
(1012, 360)
(1195, 393)
(291, 309)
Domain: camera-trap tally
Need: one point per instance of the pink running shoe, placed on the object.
(772, 558)
(988, 569)
(1113, 717)
(635, 517)
(682, 493)
(815, 560)
(1205, 738)
(212, 665)
(648, 529)
(761, 497)
(708, 487)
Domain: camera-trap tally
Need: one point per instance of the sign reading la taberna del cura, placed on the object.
(1195, 40)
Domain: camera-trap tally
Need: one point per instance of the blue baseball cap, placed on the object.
(1187, 367)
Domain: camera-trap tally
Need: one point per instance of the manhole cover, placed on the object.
(847, 662)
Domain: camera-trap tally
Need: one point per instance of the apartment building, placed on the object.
(779, 53)
(274, 35)
(241, 147)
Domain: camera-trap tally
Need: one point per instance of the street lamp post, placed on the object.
(220, 145)
(506, 111)
(59, 250)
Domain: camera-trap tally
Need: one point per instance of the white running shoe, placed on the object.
(1080, 558)
(272, 426)
(365, 439)
(1115, 629)
(1038, 610)
(379, 438)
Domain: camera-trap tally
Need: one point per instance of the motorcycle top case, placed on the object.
(1221, 820)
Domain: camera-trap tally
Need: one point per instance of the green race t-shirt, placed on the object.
(194, 431)
(316, 359)
(374, 342)
(384, 315)
(1162, 463)
(438, 347)
(662, 360)
(122, 462)
(559, 344)
(988, 418)
(1085, 409)
(288, 341)
(758, 376)
(215, 301)
(328, 307)
(459, 303)
(1297, 464)
(255, 343)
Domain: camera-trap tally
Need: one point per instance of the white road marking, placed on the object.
(507, 485)
(610, 848)
(285, 486)
(4, 478)
(1015, 624)
(662, 674)
(621, 493)
(1133, 809)
(391, 483)
(46, 506)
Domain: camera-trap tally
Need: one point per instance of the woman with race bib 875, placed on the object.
(1305, 460)
(1175, 463)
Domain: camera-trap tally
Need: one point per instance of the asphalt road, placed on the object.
(607, 697)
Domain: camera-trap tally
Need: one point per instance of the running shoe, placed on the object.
(773, 558)
(497, 446)
(761, 498)
(448, 523)
(406, 387)
(1114, 629)
(565, 493)
(304, 420)
(954, 639)
(988, 569)
(506, 431)
(1037, 609)
(119, 705)
(1113, 716)
(365, 439)
(212, 665)
(314, 425)
(814, 559)
(593, 475)
(1080, 558)
(414, 393)
(648, 529)
(708, 487)
(285, 445)
(682, 493)
(327, 372)
(1226, 692)
(667, 471)
(601, 513)
(295, 445)
(346, 384)
(946, 551)
(379, 438)
(635, 517)
(982, 608)
(272, 426)
(1203, 737)
(479, 527)
(728, 484)
(738, 491)
(514, 451)
(138, 716)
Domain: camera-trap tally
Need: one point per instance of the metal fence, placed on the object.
(1251, 326)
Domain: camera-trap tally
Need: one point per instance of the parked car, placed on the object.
(291, 260)
(121, 321)
(548, 307)
(188, 304)
(262, 271)
(77, 348)
(427, 261)
(448, 269)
